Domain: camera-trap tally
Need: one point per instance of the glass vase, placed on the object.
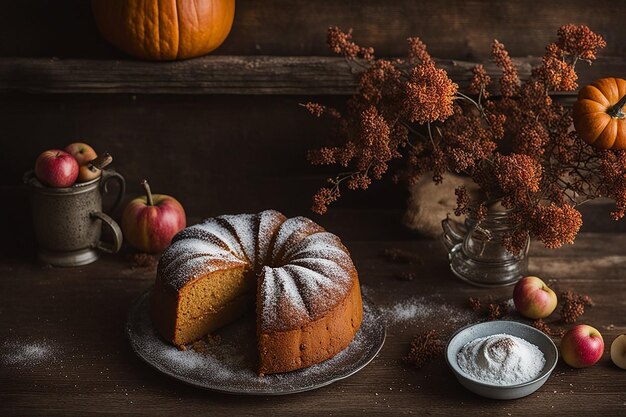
(476, 253)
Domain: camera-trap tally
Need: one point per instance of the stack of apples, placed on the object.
(582, 345)
(62, 168)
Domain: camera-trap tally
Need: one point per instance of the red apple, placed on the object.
(582, 346)
(533, 298)
(618, 351)
(84, 154)
(56, 168)
(150, 222)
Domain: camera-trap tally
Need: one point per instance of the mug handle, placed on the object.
(108, 175)
(453, 232)
(115, 228)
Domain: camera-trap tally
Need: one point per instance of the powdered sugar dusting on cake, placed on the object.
(319, 292)
(269, 222)
(244, 228)
(283, 306)
(341, 274)
(289, 292)
(191, 247)
(223, 235)
(312, 279)
(187, 259)
(196, 267)
(290, 233)
(267, 290)
(203, 233)
(320, 244)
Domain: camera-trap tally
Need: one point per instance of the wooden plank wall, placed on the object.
(220, 153)
(455, 29)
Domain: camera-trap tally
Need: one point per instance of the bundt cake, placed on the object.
(308, 298)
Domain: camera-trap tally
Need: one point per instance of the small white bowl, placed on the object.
(523, 331)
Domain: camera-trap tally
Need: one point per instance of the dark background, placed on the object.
(459, 29)
(237, 153)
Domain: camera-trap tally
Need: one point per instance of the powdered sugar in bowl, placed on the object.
(501, 359)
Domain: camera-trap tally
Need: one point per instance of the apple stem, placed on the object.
(100, 162)
(146, 187)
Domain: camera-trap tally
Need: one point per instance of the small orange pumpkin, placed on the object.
(599, 116)
(164, 30)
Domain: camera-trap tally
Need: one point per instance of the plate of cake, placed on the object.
(281, 295)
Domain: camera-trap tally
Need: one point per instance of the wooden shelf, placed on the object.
(311, 75)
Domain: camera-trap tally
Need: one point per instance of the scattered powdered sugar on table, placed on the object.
(501, 359)
(22, 353)
(414, 309)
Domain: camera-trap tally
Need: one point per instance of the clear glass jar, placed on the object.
(476, 253)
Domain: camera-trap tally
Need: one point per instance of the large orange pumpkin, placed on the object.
(164, 30)
(599, 116)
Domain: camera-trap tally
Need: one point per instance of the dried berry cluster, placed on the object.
(424, 347)
(411, 109)
(540, 324)
(488, 307)
(573, 306)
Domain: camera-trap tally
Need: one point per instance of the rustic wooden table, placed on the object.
(87, 366)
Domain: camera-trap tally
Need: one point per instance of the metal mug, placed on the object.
(68, 221)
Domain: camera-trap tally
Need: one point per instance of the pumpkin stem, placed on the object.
(146, 187)
(617, 111)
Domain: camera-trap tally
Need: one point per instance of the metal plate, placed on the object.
(230, 366)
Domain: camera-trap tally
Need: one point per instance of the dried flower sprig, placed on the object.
(424, 347)
(411, 109)
(488, 307)
(573, 306)
(553, 331)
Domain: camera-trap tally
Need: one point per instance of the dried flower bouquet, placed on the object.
(411, 109)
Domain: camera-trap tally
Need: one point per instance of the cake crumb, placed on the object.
(203, 345)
